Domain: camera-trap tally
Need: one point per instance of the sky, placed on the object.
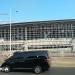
(36, 10)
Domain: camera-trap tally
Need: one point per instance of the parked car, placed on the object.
(37, 61)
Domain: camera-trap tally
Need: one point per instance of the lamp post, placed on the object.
(10, 15)
(9, 25)
(10, 31)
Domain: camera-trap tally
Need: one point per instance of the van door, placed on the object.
(29, 62)
(18, 63)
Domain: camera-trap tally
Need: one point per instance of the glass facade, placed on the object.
(36, 31)
(39, 31)
(51, 31)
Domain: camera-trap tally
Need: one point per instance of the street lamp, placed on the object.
(9, 24)
(2, 14)
(10, 32)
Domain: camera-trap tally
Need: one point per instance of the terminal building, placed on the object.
(54, 35)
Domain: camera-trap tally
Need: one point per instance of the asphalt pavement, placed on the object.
(52, 71)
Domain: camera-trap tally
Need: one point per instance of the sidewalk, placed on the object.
(63, 61)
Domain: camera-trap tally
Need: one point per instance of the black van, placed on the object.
(37, 61)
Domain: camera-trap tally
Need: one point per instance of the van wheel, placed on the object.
(37, 69)
(6, 69)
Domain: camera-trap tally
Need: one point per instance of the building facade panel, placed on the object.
(47, 35)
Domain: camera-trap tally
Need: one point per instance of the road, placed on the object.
(52, 71)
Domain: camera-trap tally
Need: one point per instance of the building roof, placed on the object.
(37, 22)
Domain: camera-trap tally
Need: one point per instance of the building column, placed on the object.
(25, 41)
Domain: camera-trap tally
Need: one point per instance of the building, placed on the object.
(54, 35)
